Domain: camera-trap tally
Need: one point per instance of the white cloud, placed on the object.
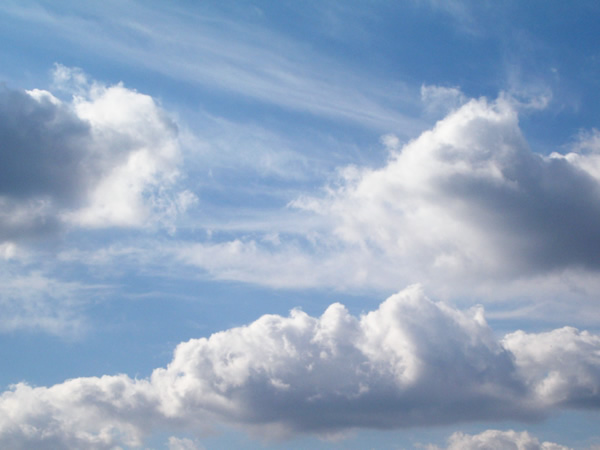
(240, 147)
(249, 261)
(107, 158)
(136, 148)
(72, 80)
(499, 440)
(410, 362)
(176, 443)
(466, 208)
(561, 366)
(455, 200)
(8, 250)
(390, 141)
(442, 99)
(33, 301)
(585, 153)
(90, 413)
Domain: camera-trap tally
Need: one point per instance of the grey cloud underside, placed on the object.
(43, 151)
(105, 158)
(44, 148)
(410, 362)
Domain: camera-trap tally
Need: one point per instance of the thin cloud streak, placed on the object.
(244, 60)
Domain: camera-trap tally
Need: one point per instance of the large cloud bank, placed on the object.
(105, 158)
(410, 362)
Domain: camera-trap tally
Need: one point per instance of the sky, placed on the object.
(282, 224)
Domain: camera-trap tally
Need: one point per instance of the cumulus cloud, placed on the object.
(467, 203)
(470, 196)
(500, 440)
(551, 364)
(80, 413)
(410, 362)
(105, 158)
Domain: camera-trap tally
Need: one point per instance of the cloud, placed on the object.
(80, 413)
(176, 443)
(467, 208)
(410, 362)
(106, 158)
(470, 196)
(39, 164)
(442, 99)
(41, 140)
(33, 301)
(553, 365)
(8, 250)
(496, 439)
(248, 60)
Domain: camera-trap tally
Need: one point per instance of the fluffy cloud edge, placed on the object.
(107, 157)
(411, 362)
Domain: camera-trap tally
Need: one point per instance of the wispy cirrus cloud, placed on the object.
(246, 60)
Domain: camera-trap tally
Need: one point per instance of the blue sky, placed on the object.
(299, 224)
